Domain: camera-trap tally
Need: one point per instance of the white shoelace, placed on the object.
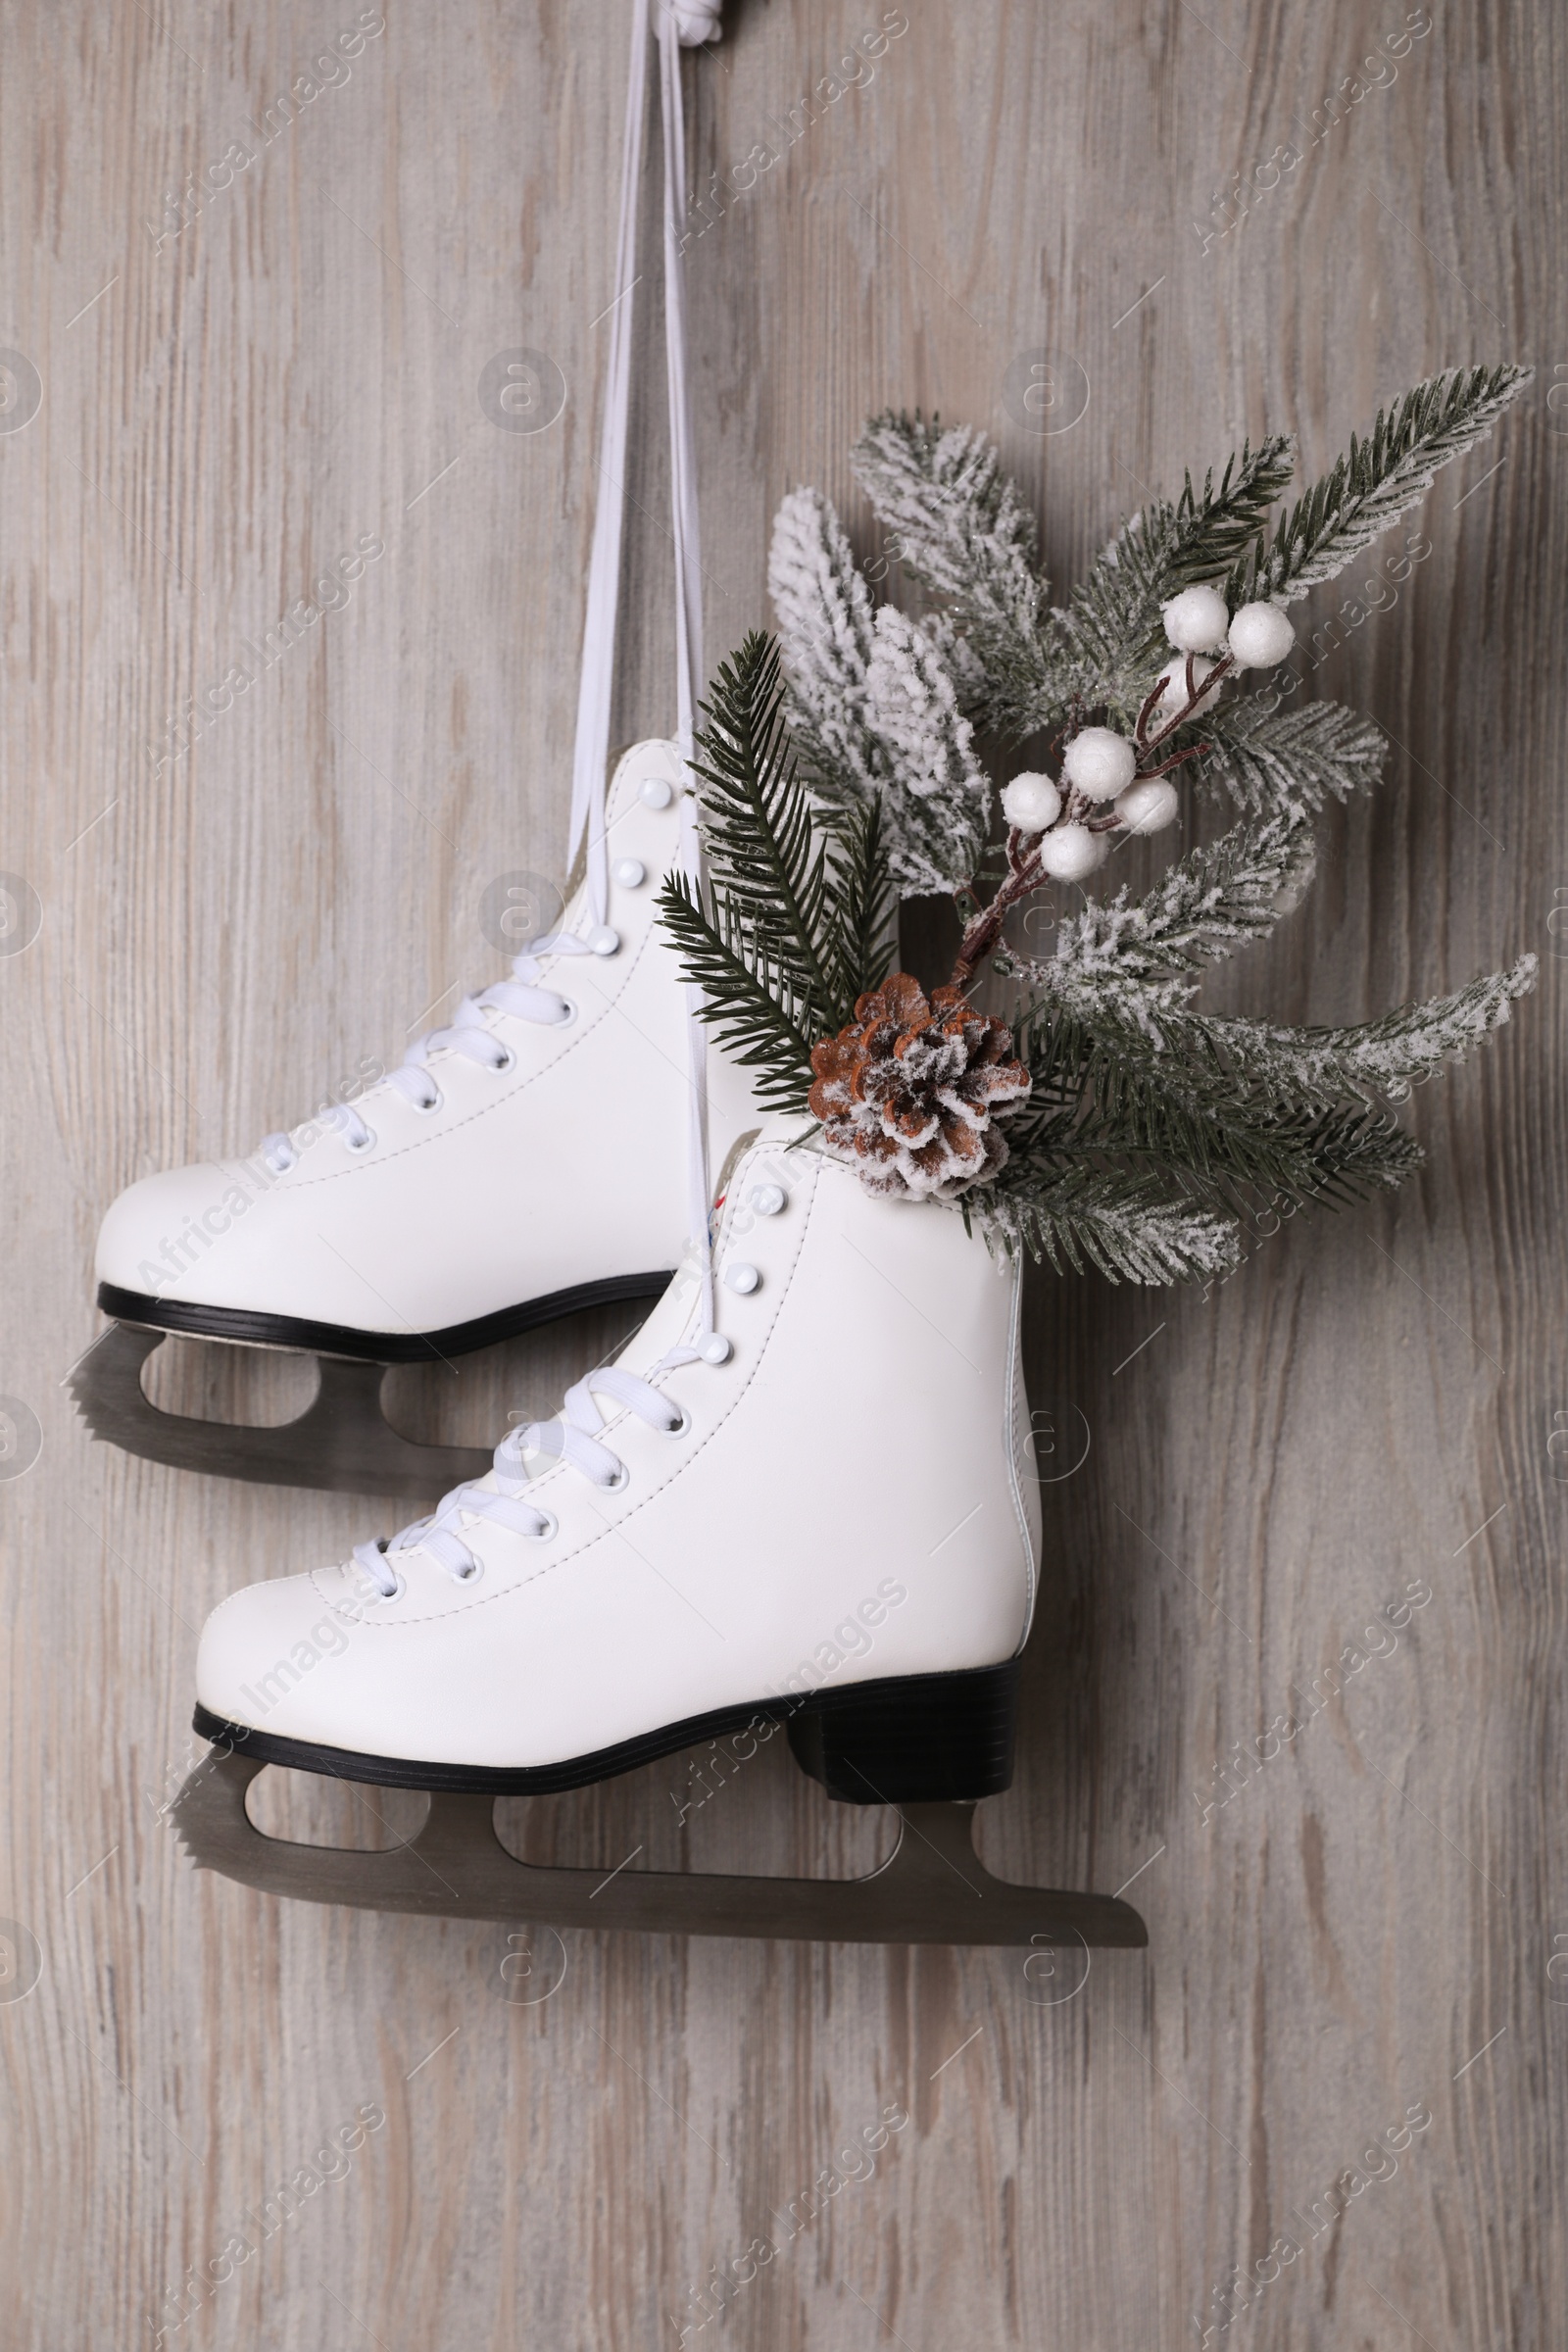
(468, 1033)
(677, 23)
(575, 1439)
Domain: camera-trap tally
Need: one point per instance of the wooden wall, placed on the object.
(1367, 1925)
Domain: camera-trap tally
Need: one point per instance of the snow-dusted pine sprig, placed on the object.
(959, 526)
(1117, 1222)
(826, 619)
(1260, 756)
(1375, 1061)
(1377, 481)
(936, 803)
(1140, 957)
(875, 704)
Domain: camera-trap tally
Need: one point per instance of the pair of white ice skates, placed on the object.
(817, 1507)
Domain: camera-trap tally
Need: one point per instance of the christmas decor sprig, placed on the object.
(1111, 1122)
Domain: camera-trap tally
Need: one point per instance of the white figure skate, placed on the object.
(825, 1513)
(526, 1159)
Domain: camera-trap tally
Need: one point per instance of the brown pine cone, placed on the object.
(913, 1091)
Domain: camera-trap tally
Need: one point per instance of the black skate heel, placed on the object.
(922, 1738)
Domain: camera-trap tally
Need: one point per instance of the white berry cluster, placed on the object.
(1099, 765)
(1199, 623)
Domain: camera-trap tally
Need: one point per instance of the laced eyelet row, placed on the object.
(575, 1440)
(523, 998)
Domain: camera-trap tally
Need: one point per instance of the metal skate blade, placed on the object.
(342, 1442)
(933, 1889)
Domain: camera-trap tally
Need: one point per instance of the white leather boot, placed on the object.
(828, 1515)
(527, 1160)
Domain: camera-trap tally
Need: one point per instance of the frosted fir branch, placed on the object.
(1108, 1220)
(963, 665)
(1140, 957)
(962, 530)
(1377, 1062)
(961, 523)
(826, 621)
(936, 806)
(1226, 1142)
(1262, 758)
(1377, 481)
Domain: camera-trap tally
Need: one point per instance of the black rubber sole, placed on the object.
(910, 1739)
(245, 1328)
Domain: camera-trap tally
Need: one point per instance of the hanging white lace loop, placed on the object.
(468, 1033)
(677, 23)
(685, 531)
(596, 686)
(573, 1438)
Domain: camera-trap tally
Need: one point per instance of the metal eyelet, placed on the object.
(619, 1484)
(364, 1145)
(508, 1062)
(551, 1526)
(679, 1428)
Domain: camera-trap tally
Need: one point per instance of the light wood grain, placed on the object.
(1367, 1401)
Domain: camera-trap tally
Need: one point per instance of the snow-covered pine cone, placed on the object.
(913, 1091)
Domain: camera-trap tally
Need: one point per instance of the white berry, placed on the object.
(1173, 686)
(1196, 621)
(1261, 636)
(1031, 803)
(1148, 806)
(1072, 852)
(1099, 763)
